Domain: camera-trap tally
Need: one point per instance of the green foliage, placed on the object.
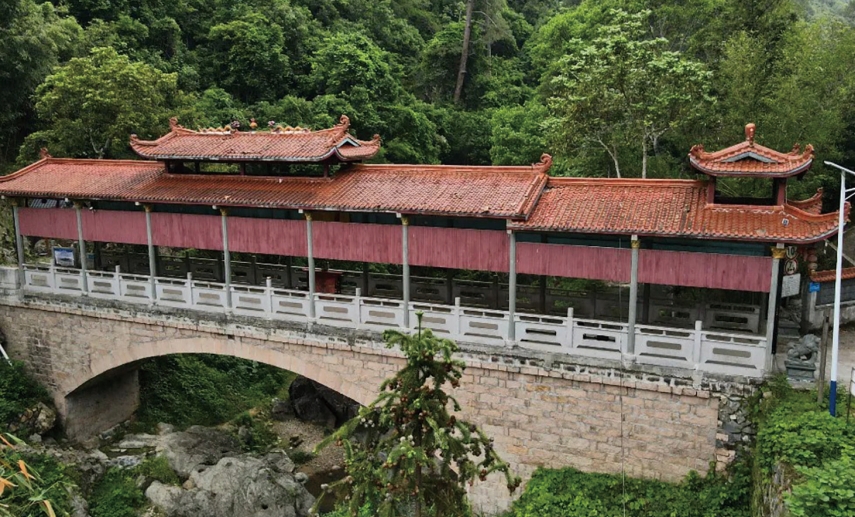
(300, 457)
(815, 450)
(116, 495)
(18, 392)
(406, 453)
(204, 389)
(92, 104)
(31, 485)
(157, 468)
(571, 493)
(258, 433)
(624, 91)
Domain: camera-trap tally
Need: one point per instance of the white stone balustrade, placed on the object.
(695, 348)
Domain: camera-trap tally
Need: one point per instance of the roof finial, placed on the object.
(344, 121)
(173, 123)
(749, 132)
(252, 124)
(545, 162)
(43, 152)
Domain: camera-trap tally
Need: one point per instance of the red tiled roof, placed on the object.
(811, 205)
(848, 273)
(751, 159)
(667, 208)
(281, 144)
(504, 192)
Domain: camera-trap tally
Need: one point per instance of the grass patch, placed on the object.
(157, 468)
(116, 494)
(299, 456)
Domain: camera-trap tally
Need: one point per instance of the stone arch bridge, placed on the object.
(541, 412)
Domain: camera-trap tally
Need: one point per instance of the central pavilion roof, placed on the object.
(499, 192)
(750, 159)
(293, 145)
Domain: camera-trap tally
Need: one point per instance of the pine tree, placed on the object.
(406, 453)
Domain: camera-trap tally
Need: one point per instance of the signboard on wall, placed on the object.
(64, 257)
(790, 285)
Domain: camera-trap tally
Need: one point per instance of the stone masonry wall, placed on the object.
(541, 414)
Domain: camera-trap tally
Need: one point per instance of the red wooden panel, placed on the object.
(114, 226)
(268, 236)
(482, 250)
(711, 270)
(609, 264)
(52, 223)
(357, 241)
(187, 231)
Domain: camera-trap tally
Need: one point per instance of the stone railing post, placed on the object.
(457, 312)
(570, 326)
(189, 284)
(698, 339)
(268, 286)
(357, 303)
(117, 277)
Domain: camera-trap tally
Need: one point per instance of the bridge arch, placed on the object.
(313, 366)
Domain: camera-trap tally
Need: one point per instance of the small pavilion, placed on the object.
(266, 205)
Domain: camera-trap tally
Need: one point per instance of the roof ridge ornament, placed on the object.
(544, 164)
(750, 128)
(173, 124)
(44, 154)
(344, 122)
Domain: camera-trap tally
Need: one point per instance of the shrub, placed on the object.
(571, 493)
(18, 392)
(116, 495)
(827, 491)
(157, 468)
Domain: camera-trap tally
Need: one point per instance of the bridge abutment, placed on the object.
(100, 405)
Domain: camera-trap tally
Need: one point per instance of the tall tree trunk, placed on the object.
(464, 55)
(644, 158)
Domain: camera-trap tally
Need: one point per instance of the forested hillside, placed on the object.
(609, 87)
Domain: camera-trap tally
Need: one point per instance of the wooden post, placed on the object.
(19, 245)
(82, 246)
(227, 259)
(405, 263)
(823, 356)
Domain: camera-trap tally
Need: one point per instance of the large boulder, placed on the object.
(239, 485)
(196, 446)
(313, 402)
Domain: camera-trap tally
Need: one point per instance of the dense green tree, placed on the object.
(91, 105)
(351, 60)
(625, 90)
(407, 453)
(518, 134)
(245, 56)
(33, 39)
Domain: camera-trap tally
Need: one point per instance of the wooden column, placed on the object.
(405, 263)
(227, 259)
(19, 244)
(152, 259)
(311, 257)
(82, 245)
(633, 297)
(778, 254)
(512, 286)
